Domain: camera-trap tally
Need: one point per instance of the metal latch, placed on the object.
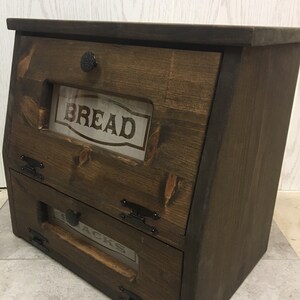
(128, 295)
(138, 215)
(31, 166)
(38, 240)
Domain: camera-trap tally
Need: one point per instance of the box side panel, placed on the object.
(238, 205)
(8, 125)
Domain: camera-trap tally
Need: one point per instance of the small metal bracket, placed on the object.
(31, 166)
(138, 215)
(129, 295)
(38, 240)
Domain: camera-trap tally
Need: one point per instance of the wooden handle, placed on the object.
(103, 258)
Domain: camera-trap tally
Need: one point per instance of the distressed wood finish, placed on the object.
(156, 75)
(8, 125)
(220, 118)
(237, 201)
(163, 271)
(174, 33)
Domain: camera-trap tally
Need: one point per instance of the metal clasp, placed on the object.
(38, 240)
(31, 166)
(129, 295)
(138, 215)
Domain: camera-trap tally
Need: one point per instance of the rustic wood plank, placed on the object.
(237, 204)
(178, 132)
(149, 77)
(236, 174)
(95, 183)
(166, 268)
(101, 257)
(8, 126)
(172, 33)
(149, 73)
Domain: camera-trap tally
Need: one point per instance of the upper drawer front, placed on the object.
(180, 86)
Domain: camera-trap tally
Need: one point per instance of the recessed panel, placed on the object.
(97, 239)
(115, 123)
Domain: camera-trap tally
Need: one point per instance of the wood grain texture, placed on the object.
(238, 171)
(238, 204)
(179, 83)
(162, 271)
(228, 12)
(174, 33)
(215, 132)
(8, 124)
(79, 9)
(99, 257)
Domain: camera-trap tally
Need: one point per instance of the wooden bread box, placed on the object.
(146, 157)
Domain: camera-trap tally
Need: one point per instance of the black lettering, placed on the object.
(120, 248)
(70, 114)
(132, 128)
(97, 235)
(111, 124)
(86, 230)
(96, 114)
(108, 241)
(61, 215)
(83, 112)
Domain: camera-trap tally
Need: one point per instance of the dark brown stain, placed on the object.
(170, 189)
(24, 63)
(85, 156)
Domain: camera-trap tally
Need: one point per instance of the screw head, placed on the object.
(153, 230)
(155, 216)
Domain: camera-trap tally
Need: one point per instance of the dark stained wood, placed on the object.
(180, 84)
(218, 120)
(161, 271)
(100, 257)
(8, 125)
(85, 274)
(231, 233)
(221, 110)
(167, 33)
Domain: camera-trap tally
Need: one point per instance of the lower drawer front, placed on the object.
(116, 258)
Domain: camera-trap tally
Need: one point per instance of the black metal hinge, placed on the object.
(128, 295)
(138, 214)
(38, 240)
(31, 167)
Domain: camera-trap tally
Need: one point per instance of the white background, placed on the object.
(234, 12)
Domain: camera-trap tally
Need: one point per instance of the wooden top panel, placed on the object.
(217, 35)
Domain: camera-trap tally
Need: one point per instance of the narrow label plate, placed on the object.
(99, 238)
